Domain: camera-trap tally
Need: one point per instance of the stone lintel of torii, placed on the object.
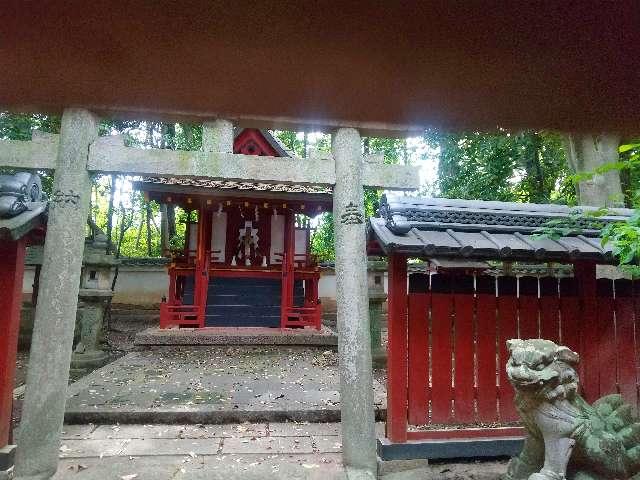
(77, 153)
(109, 155)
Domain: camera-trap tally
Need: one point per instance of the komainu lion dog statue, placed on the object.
(567, 437)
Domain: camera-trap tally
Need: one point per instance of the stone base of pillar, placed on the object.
(359, 474)
(390, 467)
(7, 454)
(88, 360)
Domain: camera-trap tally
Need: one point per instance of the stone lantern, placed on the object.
(95, 294)
(375, 282)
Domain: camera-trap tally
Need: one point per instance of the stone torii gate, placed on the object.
(78, 152)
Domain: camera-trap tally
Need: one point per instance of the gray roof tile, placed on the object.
(443, 228)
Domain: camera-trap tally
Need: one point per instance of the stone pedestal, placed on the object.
(87, 353)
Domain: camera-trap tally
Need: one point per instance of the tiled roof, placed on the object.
(147, 182)
(432, 228)
(16, 227)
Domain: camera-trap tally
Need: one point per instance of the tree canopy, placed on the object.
(527, 166)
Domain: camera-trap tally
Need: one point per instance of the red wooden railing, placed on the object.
(309, 315)
(179, 315)
(453, 343)
(174, 313)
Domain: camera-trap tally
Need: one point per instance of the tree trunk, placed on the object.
(534, 171)
(188, 135)
(139, 234)
(112, 193)
(304, 144)
(171, 221)
(585, 153)
(164, 229)
(148, 213)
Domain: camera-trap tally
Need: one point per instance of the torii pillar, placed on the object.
(354, 338)
(55, 317)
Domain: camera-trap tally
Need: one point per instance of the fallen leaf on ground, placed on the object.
(77, 467)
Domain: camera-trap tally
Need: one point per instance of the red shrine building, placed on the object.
(246, 259)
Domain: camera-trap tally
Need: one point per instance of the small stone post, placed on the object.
(354, 340)
(55, 318)
(217, 136)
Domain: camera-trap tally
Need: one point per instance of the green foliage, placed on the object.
(393, 149)
(624, 238)
(291, 141)
(322, 239)
(18, 126)
(575, 224)
(529, 166)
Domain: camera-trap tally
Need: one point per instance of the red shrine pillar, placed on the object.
(397, 349)
(585, 275)
(287, 266)
(11, 274)
(201, 283)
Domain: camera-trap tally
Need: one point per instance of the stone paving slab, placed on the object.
(237, 336)
(214, 384)
(172, 446)
(220, 467)
(83, 448)
(327, 443)
(267, 445)
(178, 431)
(246, 451)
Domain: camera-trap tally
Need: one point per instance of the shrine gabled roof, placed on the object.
(444, 228)
(280, 148)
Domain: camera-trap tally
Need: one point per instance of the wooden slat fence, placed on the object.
(458, 325)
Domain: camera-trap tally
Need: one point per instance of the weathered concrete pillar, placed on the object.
(217, 136)
(48, 375)
(354, 341)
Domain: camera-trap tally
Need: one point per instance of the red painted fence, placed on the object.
(455, 337)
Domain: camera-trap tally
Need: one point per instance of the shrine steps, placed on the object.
(243, 302)
(236, 336)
